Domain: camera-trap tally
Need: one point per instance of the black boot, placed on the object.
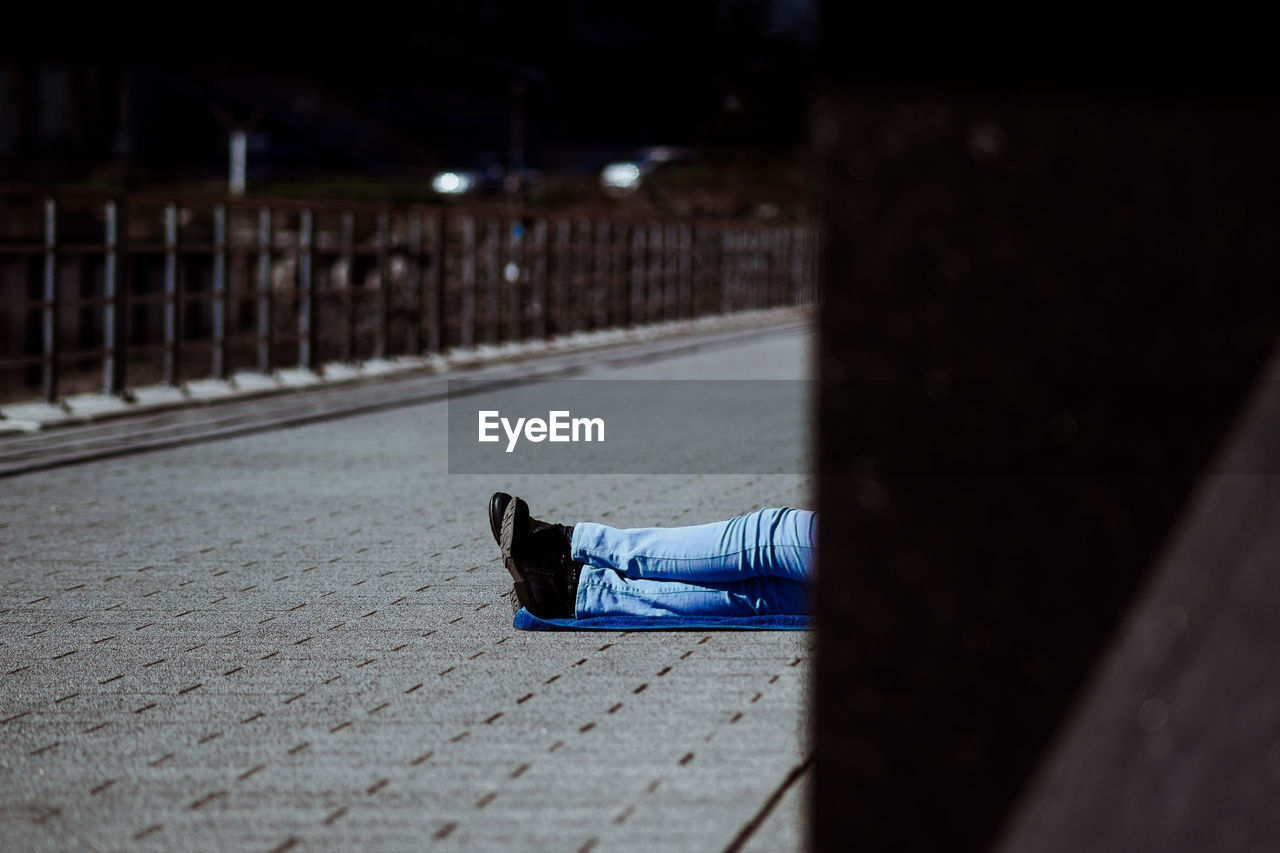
(536, 555)
(498, 505)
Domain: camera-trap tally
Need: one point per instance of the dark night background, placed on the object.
(394, 91)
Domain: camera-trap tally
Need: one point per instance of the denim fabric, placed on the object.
(526, 621)
(754, 565)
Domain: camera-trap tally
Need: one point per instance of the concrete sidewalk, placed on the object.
(301, 638)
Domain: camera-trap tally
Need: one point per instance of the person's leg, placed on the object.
(768, 543)
(604, 592)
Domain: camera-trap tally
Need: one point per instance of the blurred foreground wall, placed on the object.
(1044, 307)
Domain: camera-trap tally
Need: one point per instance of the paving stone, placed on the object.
(303, 637)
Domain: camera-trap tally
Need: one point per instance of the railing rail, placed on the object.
(100, 291)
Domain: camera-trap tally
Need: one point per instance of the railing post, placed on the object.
(574, 278)
(682, 267)
(778, 266)
(670, 272)
(608, 271)
(579, 284)
(751, 263)
(436, 285)
(592, 270)
(658, 276)
(491, 281)
(171, 354)
(729, 267)
(764, 247)
(49, 312)
(792, 292)
(568, 276)
(560, 283)
(264, 290)
(600, 273)
(539, 273)
(665, 268)
(812, 258)
(220, 361)
(604, 273)
(417, 286)
(635, 310)
(113, 309)
(349, 263)
(306, 293)
(618, 273)
(467, 332)
(514, 303)
(657, 250)
(696, 270)
(742, 273)
(721, 253)
(786, 265)
(384, 286)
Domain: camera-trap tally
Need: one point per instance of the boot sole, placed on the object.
(516, 515)
(497, 508)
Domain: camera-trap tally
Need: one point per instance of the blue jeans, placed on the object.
(753, 565)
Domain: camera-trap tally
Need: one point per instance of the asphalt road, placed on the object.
(299, 636)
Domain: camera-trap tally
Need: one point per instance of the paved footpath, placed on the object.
(301, 638)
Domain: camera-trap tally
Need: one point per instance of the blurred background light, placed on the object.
(620, 176)
(451, 183)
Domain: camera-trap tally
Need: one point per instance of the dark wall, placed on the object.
(1043, 307)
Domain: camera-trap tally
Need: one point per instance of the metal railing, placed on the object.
(117, 292)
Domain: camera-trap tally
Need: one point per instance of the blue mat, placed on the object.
(526, 621)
